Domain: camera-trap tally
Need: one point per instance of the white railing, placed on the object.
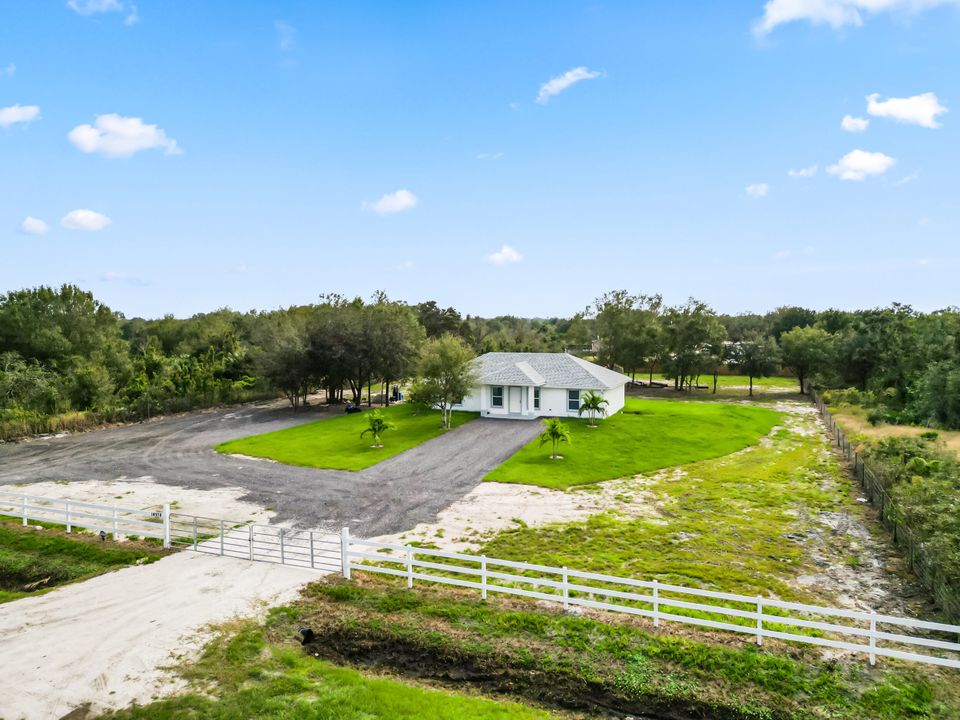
(869, 633)
(248, 541)
(851, 630)
(119, 521)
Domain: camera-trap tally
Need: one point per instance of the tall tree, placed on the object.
(756, 356)
(446, 373)
(806, 350)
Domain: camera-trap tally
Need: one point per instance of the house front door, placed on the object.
(516, 400)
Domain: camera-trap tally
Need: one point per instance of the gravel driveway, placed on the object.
(390, 497)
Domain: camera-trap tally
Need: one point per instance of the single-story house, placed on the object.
(532, 385)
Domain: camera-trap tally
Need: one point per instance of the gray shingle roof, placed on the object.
(559, 370)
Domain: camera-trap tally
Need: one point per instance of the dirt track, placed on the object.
(390, 497)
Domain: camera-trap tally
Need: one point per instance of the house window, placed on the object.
(496, 396)
(536, 398)
(573, 400)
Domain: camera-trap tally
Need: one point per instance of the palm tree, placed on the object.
(555, 433)
(593, 403)
(378, 424)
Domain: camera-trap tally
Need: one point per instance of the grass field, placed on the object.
(251, 676)
(336, 443)
(852, 419)
(618, 668)
(739, 381)
(647, 435)
(35, 559)
(721, 524)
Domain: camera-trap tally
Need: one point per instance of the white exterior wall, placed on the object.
(553, 402)
(616, 397)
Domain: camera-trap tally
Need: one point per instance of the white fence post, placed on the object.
(311, 550)
(194, 532)
(115, 524)
(759, 620)
(166, 525)
(221, 538)
(24, 502)
(66, 514)
(282, 557)
(656, 604)
(409, 567)
(566, 588)
(250, 540)
(345, 552)
(873, 637)
(483, 578)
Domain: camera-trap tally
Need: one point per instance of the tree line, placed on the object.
(64, 352)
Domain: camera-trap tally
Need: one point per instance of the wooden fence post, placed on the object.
(166, 525)
(656, 604)
(345, 552)
(483, 578)
(759, 621)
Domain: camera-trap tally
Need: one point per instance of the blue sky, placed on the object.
(250, 154)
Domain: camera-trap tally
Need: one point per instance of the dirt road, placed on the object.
(390, 497)
(104, 641)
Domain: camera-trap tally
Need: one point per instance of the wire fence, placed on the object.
(925, 567)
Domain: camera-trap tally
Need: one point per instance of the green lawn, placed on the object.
(36, 559)
(336, 443)
(647, 435)
(253, 677)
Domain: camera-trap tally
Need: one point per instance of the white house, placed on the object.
(532, 385)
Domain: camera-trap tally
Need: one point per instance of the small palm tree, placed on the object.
(378, 424)
(593, 403)
(555, 433)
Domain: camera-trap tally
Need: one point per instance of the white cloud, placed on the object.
(782, 254)
(117, 136)
(854, 124)
(133, 16)
(489, 156)
(18, 114)
(919, 110)
(758, 190)
(555, 86)
(803, 172)
(34, 226)
(92, 7)
(857, 164)
(835, 13)
(908, 178)
(286, 35)
(504, 255)
(393, 203)
(9, 70)
(85, 220)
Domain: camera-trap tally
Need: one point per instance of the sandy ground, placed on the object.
(104, 642)
(145, 493)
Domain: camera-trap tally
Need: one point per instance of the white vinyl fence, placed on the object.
(867, 633)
